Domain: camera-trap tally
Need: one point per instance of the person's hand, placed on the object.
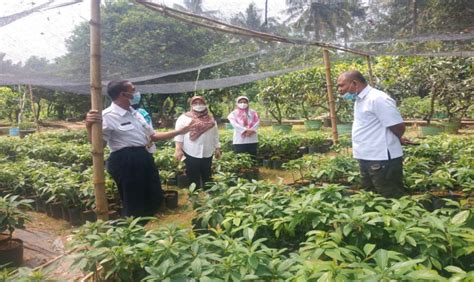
(218, 153)
(178, 155)
(406, 141)
(250, 132)
(92, 117)
(187, 128)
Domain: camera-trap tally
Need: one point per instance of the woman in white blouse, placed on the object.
(200, 144)
(245, 122)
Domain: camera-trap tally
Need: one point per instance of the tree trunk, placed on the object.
(432, 102)
(38, 109)
(279, 119)
(305, 112)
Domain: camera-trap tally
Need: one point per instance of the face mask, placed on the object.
(243, 106)
(136, 98)
(199, 108)
(349, 96)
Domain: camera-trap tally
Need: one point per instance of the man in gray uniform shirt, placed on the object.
(128, 135)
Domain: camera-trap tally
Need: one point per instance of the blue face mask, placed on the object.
(136, 98)
(349, 96)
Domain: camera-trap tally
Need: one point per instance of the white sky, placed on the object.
(43, 33)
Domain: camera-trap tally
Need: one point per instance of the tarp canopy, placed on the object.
(174, 46)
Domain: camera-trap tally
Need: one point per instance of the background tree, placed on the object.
(9, 104)
(416, 21)
(137, 41)
(322, 20)
(196, 7)
(252, 19)
(446, 82)
(274, 94)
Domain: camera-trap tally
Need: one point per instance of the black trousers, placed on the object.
(198, 170)
(246, 148)
(138, 181)
(383, 177)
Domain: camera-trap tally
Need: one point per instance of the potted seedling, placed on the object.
(182, 179)
(345, 117)
(277, 162)
(11, 217)
(171, 195)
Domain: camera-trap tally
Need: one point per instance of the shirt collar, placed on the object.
(364, 92)
(119, 110)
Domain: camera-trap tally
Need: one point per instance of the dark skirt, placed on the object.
(250, 148)
(198, 170)
(136, 175)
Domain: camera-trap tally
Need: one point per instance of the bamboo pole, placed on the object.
(371, 76)
(332, 106)
(33, 108)
(96, 104)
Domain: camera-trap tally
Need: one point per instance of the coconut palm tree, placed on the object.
(194, 6)
(324, 19)
(252, 19)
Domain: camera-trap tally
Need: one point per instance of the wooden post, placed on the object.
(371, 76)
(22, 105)
(332, 106)
(33, 108)
(96, 104)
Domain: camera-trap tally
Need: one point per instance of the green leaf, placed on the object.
(405, 266)
(368, 248)
(425, 274)
(249, 233)
(347, 229)
(436, 263)
(460, 217)
(381, 258)
(196, 266)
(410, 240)
(326, 277)
(454, 269)
(253, 261)
(334, 254)
(436, 222)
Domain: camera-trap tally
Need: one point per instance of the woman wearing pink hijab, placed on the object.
(200, 144)
(245, 122)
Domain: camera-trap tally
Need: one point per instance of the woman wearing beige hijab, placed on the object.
(200, 144)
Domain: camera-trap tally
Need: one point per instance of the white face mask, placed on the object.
(199, 108)
(243, 106)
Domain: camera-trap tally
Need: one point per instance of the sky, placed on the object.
(43, 33)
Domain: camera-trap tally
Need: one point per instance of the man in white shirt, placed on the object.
(376, 135)
(128, 136)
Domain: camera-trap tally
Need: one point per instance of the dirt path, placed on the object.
(44, 241)
(61, 125)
